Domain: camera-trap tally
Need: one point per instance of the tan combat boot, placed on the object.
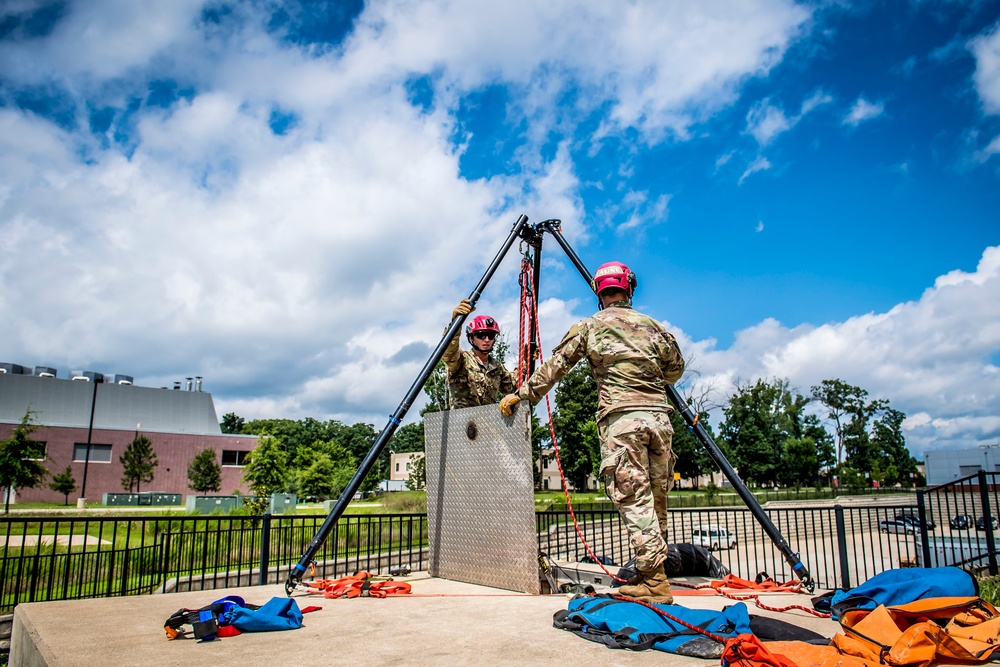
(654, 588)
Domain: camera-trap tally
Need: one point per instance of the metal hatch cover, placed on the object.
(480, 498)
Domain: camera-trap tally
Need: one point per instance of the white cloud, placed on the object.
(760, 226)
(986, 49)
(989, 150)
(933, 358)
(862, 111)
(760, 163)
(765, 122)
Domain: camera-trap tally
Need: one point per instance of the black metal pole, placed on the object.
(534, 239)
(90, 432)
(295, 576)
(691, 417)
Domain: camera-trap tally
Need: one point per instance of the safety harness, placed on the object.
(359, 584)
(208, 622)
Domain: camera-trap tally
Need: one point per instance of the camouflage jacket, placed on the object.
(471, 382)
(633, 358)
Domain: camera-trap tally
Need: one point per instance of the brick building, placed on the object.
(180, 422)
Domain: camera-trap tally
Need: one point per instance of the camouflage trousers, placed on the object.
(637, 467)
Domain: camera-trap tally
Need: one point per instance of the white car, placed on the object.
(713, 537)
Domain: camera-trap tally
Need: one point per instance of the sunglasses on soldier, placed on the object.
(489, 335)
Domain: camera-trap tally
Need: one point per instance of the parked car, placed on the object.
(713, 537)
(961, 522)
(913, 518)
(981, 523)
(897, 526)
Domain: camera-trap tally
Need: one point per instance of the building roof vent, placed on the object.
(45, 372)
(86, 376)
(13, 369)
(123, 379)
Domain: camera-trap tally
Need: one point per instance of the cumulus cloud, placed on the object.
(765, 121)
(933, 358)
(165, 226)
(862, 111)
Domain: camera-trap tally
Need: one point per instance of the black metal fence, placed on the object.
(841, 545)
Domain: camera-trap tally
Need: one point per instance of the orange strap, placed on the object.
(357, 585)
(766, 584)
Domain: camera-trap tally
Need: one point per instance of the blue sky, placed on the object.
(288, 198)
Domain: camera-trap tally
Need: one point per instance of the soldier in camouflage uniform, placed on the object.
(475, 377)
(633, 357)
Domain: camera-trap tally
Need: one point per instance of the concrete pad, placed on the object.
(442, 622)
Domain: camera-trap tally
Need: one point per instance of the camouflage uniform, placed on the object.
(471, 382)
(633, 358)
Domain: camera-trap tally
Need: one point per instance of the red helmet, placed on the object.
(481, 323)
(614, 275)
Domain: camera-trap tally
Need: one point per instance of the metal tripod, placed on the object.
(532, 235)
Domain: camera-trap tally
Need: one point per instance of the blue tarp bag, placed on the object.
(276, 614)
(630, 625)
(895, 587)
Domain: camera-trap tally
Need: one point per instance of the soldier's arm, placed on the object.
(564, 357)
(671, 360)
(452, 356)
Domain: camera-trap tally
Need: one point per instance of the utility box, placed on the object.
(210, 504)
(137, 499)
(954, 550)
(281, 503)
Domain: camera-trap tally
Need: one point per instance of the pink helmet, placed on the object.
(614, 275)
(481, 323)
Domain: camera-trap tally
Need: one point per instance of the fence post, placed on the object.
(265, 547)
(845, 568)
(991, 546)
(925, 535)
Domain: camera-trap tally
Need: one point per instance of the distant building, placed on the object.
(180, 422)
(549, 478)
(946, 465)
(400, 466)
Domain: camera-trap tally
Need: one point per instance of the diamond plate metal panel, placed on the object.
(480, 498)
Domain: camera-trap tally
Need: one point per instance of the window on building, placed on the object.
(965, 471)
(397, 466)
(407, 465)
(234, 457)
(42, 455)
(98, 453)
(545, 483)
(545, 462)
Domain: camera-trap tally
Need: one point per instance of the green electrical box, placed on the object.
(210, 504)
(282, 502)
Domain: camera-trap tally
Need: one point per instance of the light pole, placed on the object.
(81, 502)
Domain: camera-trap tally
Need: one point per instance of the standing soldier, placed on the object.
(475, 377)
(633, 357)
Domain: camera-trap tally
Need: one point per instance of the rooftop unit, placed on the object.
(86, 376)
(13, 369)
(45, 372)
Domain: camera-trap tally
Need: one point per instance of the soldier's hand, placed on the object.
(508, 404)
(463, 308)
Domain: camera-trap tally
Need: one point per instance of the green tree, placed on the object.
(436, 388)
(800, 463)
(138, 463)
(843, 402)
(408, 438)
(418, 474)
(21, 458)
(64, 483)
(232, 423)
(576, 405)
(887, 435)
(265, 472)
(204, 472)
(323, 478)
(755, 429)
(693, 459)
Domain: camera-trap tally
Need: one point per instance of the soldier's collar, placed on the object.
(624, 303)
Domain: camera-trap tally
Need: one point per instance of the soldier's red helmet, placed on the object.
(481, 323)
(614, 275)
